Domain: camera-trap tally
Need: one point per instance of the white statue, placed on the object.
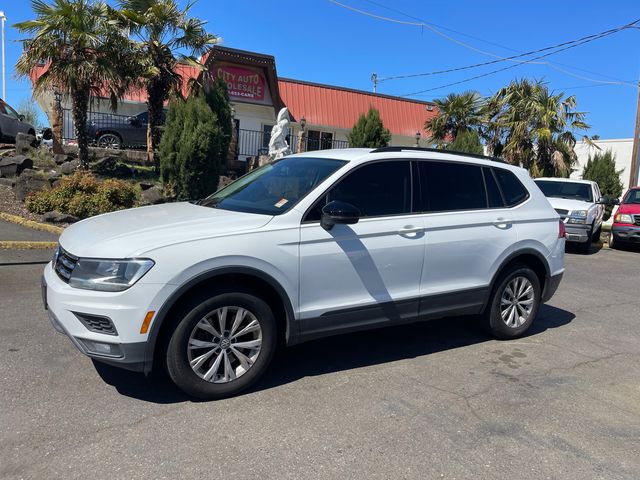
(278, 146)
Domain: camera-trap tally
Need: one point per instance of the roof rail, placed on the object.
(435, 150)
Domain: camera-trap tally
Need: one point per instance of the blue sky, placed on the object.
(319, 41)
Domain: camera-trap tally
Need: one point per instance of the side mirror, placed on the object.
(21, 117)
(133, 120)
(609, 201)
(339, 212)
(47, 133)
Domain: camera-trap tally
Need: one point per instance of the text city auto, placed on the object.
(242, 84)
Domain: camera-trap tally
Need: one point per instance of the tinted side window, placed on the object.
(512, 190)
(378, 189)
(494, 197)
(451, 186)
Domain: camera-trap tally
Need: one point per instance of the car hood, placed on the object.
(569, 204)
(134, 232)
(629, 208)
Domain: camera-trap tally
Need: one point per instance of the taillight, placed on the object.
(562, 231)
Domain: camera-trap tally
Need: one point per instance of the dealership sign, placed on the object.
(242, 82)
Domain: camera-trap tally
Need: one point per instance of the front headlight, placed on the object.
(108, 275)
(623, 218)
(579, 213)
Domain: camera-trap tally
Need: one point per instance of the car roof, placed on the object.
(570, 180)
(364, 154)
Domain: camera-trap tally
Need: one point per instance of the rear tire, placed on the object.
(109, 140)
(514, 303)
(208, 355)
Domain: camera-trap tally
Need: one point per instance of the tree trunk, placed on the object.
(155, 104)
(80, 100)
(56, 127)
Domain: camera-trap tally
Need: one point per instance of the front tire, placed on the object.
(514, 303)
(222, 345)
(109, 140)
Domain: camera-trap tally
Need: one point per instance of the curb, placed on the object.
(43, 227)
(21, 245)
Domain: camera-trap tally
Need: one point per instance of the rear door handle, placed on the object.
(502, 222)
(410, 231)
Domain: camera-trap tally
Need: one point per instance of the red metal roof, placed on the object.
(340, 107)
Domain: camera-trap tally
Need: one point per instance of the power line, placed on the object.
(513, 58)
(573, 45)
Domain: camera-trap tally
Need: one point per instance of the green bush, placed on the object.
(601, 168)
(195, 144)
(467, 141)
(82, 195)
(369, 131)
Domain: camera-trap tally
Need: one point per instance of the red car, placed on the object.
(626, 223)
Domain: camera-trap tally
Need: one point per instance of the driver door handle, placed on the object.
(410, 231)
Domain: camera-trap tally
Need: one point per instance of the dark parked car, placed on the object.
(117, 131)
(12, 123)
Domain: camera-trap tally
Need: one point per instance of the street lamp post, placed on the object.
(303, 123)
(418, 135)
(4, 88)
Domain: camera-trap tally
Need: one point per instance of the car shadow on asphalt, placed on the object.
(339, 353)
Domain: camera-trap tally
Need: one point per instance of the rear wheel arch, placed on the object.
(529, 257)
(228, 279)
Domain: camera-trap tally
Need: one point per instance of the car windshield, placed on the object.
(632, 197)
(275, 187)
(570, 190)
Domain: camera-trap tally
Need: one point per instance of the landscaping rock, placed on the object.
(105, 165)
(152, 196)
(122, 170)
(7, 182)
(68, 168)
(25, 142)
(30, 181)
(11, 166)
(61, 158)
(58, 217)
(146, 185)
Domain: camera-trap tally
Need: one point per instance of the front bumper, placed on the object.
(628, 233)
(577, 232)
(125, 346)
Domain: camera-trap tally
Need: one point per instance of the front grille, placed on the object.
(65, 263)
(562, 212)
(637, 219)
(97, 324)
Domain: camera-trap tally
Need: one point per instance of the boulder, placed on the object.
(25, 142)
(30, 181)
(146, 185)
(152, 196)
(60, 158)
(11, 166)
(122, 170)
(105, 165)
(68, 168)
(7, 182)
(58, 217)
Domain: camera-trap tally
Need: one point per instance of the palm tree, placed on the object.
(161, 30)
(86, 55)
(457, 112)
(534, 127)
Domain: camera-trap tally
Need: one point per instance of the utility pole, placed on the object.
(633, 176)
(374, 79)
(4, 88)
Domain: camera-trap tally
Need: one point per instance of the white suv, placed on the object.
(312, 245)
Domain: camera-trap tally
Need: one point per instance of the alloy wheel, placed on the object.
(109, 141)
(224, 344)
(516, 302)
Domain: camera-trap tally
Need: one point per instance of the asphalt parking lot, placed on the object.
(432, 400)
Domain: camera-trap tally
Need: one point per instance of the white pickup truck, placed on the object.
(580, 205)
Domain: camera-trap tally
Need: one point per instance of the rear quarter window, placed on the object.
(512, 190)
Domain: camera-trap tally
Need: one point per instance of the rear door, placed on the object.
(8, 120)
(468, 230)
(369, 272)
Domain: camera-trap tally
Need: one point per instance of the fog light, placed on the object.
(101, 348)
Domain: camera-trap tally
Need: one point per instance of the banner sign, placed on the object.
(242, 82)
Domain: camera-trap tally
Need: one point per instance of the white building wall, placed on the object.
(622, 149)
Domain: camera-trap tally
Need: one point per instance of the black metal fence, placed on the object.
(123, 131)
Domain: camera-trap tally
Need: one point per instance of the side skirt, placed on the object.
(379, 315)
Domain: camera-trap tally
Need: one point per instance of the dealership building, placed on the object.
(324, 113)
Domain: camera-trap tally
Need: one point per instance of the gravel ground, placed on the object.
(10, 204)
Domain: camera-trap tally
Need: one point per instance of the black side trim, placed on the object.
(291, 331)
(550, 287)
(466, 302)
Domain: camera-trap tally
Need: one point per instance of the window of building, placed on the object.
(450, 186)
(318, 140)
(378, 189)
(266, 135)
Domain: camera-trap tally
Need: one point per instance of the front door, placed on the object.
(368, 272)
